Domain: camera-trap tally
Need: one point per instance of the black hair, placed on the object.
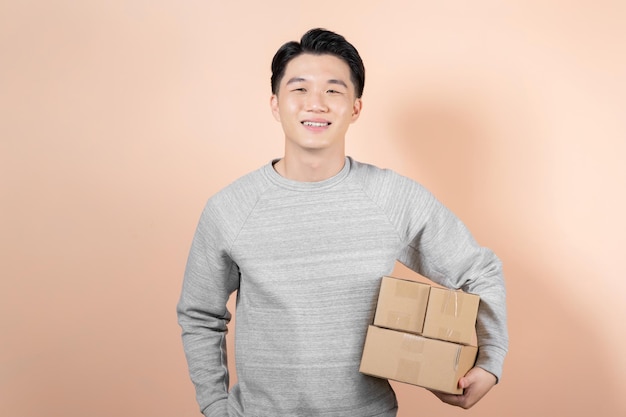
(320, 42)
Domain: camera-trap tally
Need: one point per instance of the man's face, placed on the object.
(316, 103)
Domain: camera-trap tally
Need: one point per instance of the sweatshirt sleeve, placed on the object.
(441, 248)
(210, 277)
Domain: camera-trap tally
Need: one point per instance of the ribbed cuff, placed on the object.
(217, 409)
(491, 359)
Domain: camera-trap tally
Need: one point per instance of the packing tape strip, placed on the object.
(453, 304)
(446, 333)
(407, 289)
(412, 343)
(457, 359)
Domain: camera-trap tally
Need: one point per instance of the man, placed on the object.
(305, 241)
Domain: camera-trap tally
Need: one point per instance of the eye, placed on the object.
(299, 90)
(333, 92)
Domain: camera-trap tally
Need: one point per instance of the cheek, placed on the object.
(289, 108)
(292, 104)
(346, 111)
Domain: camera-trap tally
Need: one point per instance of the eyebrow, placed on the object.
(331, 81)
(295, 80)
(339, 82)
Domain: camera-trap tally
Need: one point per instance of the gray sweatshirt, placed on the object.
(307, 259)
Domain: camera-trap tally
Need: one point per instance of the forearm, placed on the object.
(485, 278)
(450, 256)
(491, 327)
(204, 342)
(210, 278)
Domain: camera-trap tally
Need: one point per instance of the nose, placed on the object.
(316, 102)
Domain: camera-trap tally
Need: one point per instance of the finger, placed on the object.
(452, 399)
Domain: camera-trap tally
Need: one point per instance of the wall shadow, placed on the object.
(558, 363)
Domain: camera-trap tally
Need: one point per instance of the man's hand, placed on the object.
(476, 383)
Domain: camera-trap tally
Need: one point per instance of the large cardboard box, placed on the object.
(451, 316)
(417, 360)
(402, 305)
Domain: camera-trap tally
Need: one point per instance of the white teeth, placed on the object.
(315, 124)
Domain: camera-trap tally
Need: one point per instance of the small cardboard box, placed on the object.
(451, 316)
(402, 305)
(413, 359)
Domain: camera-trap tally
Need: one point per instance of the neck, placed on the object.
(310, 167)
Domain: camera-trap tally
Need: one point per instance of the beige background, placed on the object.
(118, 119)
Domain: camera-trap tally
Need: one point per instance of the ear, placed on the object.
(274, 107)
(356, 109)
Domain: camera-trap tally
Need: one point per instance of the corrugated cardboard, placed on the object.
(413, 359)
(432, 312)
(451, 315)
(402, 304)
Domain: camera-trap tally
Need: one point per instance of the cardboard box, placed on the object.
(417, 360)
(402, 305)
(451, 316)
(432, 312)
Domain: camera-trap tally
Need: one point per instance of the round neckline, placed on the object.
(283, 182)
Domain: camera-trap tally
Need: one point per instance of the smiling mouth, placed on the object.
(316, 124)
